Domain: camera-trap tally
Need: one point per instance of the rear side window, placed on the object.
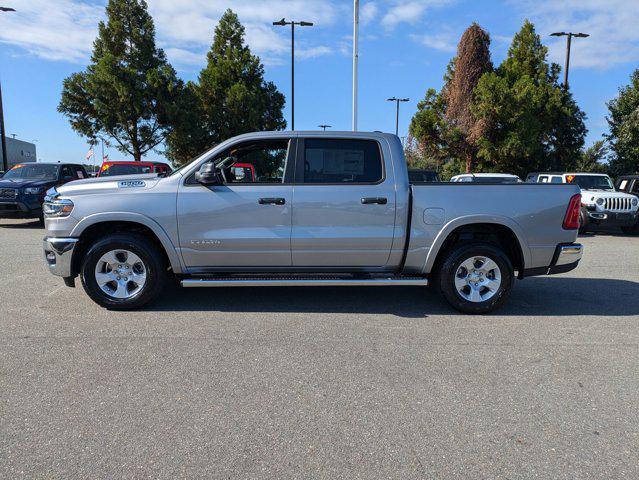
(342, 161)
(556, 180)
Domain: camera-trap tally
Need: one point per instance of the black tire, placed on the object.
(154, 264)
(631, 230)
(445, 277)
(583, 221)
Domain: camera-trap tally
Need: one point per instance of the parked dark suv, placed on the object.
(22, 188)
(629, 184)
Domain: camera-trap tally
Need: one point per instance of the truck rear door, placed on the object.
(343, 204)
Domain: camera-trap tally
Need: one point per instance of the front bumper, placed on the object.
(58, 253)
(565, 259)
(613, 219)
(18, 209)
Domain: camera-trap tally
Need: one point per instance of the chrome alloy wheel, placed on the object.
(120, 274)
(477, 279)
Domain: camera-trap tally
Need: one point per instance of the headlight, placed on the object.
(635, 201)
(58, 207)
(33, 190)
(600, 201)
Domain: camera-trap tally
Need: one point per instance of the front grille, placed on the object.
(618, 204)
(8, 193)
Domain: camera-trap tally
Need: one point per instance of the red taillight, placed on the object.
(571, 220)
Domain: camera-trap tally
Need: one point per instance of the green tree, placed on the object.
(623, 121)
(129, 93)
(231, 94)
(593, 159)
(535, 123)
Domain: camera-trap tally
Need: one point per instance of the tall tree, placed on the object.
(444, 129)
(536, 124)
(623, 121)
(232, 95)
(593, 159)
(129, 93)
(471, 62)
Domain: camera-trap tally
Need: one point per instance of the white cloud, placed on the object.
(368, 12)
(444, 42)
(402, 11)
(612, 25)
(313, 52)
(65, 29)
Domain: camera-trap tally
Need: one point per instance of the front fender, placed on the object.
(470, 220)
(155, 227)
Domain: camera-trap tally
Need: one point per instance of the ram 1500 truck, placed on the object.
(324, 209)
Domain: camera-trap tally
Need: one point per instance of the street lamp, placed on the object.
(5, 161)
(324, 127)
(283, 23)
(397, 100)
(569, 36)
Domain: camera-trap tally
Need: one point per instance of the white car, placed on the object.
(486, 178)
(601, 204)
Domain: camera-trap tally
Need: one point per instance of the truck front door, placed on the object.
(344, 204)
(241, 223)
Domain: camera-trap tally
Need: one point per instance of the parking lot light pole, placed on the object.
(324, 127)
(283, 23)
(397, 101)
(568, 36)
(5, 160)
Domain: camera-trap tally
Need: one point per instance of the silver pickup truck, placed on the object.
(309, 209)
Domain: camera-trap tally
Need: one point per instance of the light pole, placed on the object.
(5, 161)
(568, 36)
(397, 100)
(324, 127)
(283, 23)
(355, 60)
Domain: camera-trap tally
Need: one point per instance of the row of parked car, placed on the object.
(602, 201)
(23, 187)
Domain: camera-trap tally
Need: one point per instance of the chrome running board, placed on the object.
(304, 282)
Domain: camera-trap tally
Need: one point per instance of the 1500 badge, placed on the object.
(131, 184)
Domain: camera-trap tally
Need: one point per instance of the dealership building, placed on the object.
(18, 152)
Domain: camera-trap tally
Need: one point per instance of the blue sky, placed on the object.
(404, 48)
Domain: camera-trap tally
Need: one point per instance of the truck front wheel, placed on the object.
(123, 271)
(475, 278)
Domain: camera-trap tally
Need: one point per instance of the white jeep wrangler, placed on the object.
(601, 204)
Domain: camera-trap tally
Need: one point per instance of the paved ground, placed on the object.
(321, 383)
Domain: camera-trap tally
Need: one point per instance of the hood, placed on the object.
(24, 182)
(588, 194)
(116, 184)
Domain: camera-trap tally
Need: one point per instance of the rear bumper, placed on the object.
(565, 259)
(58, 254)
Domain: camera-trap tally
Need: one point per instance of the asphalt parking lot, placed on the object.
(321, 383)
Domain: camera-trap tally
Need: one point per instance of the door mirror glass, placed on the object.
(209, 174)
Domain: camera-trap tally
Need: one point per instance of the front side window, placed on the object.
(255, 162)
(342, 161)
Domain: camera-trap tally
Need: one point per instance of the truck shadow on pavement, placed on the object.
(538, 296)
(25, 225)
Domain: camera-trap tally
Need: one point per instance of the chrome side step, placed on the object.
(304, 282)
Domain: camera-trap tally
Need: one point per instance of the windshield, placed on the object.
(591, 182)
(115, 169)
(32, 171)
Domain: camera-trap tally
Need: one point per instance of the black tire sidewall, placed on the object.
(457, 255)
(142, 248)
(583, 221)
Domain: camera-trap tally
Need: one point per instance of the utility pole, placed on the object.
(283, 23)
(5, 160)
(355, 59)
(568, 36)
(324, 127)
(397, 100)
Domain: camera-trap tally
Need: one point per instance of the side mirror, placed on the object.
(209, 174)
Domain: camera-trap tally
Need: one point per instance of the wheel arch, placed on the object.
(502, 232)
(95, 226)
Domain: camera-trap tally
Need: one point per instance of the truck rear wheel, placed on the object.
(475, 278)
(123, 271)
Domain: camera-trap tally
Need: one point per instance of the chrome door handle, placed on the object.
(377, 200)
(271, 201)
